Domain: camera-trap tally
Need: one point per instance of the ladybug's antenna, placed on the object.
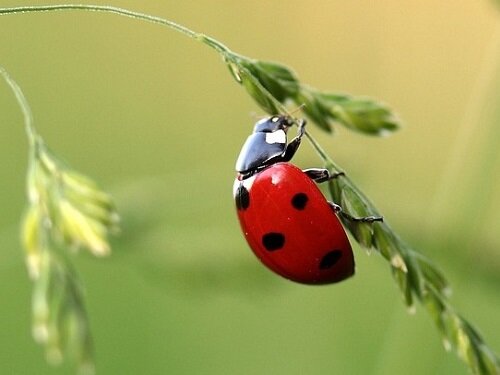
(299, 108)
(256, 116)
(260, 117)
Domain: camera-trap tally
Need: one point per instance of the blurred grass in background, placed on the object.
(156, 118)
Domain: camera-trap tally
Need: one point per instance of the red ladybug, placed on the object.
(285, 218)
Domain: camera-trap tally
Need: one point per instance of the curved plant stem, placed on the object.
(28, 116)
(119, 11)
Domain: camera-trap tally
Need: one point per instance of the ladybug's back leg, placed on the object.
(364, 219)
(320, 175)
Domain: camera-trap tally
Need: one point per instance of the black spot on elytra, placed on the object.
(299, 201)
(242, 198)
(273, 241)
(330, 259)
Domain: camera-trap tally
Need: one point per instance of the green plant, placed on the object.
(65, 209)
(272, 85)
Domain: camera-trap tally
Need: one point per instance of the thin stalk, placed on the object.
(329, 163)
(101, 8)
(121, 12)
(25, 108)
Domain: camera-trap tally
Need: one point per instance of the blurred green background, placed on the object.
(158, 121)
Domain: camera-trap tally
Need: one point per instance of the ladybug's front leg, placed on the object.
(366, 219)
(294, 144)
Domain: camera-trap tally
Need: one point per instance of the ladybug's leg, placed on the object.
(320, 175)
(366, 219)
(294, 144)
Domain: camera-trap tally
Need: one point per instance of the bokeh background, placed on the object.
(158, 121)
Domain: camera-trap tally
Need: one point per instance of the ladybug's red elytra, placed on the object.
(286, 220)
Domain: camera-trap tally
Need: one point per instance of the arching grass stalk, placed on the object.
(273, 85)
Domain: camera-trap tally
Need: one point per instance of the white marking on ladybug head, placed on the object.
(278, 136)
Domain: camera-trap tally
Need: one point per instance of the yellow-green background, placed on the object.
(158, 121)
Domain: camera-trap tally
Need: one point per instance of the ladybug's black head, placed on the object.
(271, 124)
(265, 146)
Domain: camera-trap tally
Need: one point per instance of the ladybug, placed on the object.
(286, 220)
